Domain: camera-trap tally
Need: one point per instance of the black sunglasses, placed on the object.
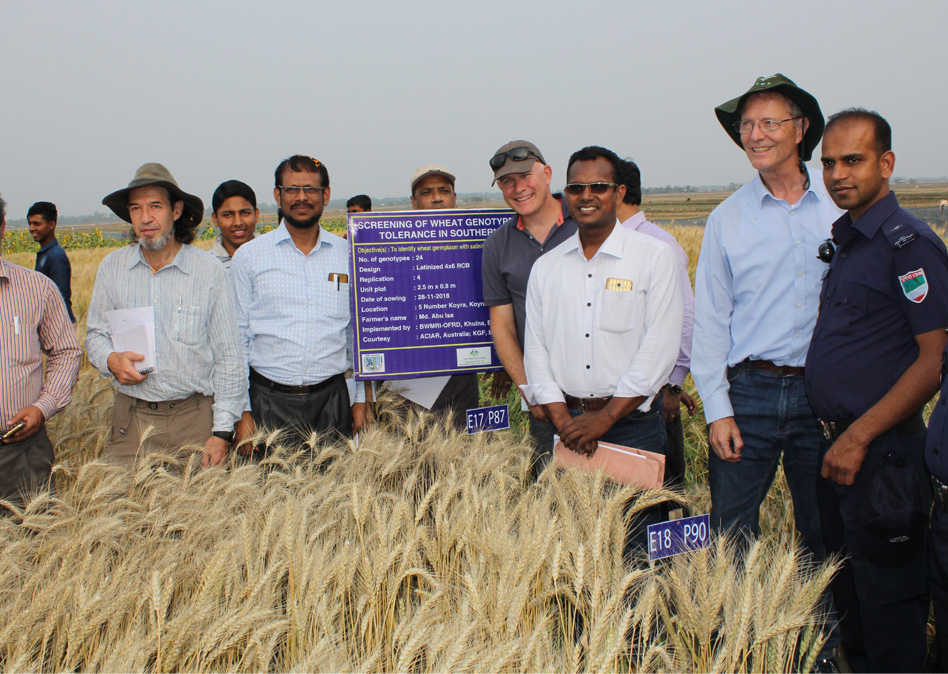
(596, 188)
(516, 154)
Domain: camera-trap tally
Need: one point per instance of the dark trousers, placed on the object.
(460, 394)
(938, 579)
(25, 467)
(675, 455)
(325, 410)
(541, 437)
(645, 431)
(881, 592)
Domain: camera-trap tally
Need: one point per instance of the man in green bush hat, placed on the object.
(756, 299)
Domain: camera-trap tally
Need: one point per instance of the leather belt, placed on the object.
(586, 404)
(258, 378)
(941, 493)
(831, 430)
(782, 370)
(161, 404)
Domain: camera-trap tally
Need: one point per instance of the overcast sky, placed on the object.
(226, 89)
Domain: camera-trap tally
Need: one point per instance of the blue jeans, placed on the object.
(774, 418)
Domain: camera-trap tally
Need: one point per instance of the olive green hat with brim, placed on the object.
(730, 112)
(157, 175)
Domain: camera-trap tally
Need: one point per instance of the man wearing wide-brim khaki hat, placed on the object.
(187, 384)
(756, 299)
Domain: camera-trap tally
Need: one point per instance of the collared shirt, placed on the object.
(758, 283)
(638, 223)
(293, 309)
(509, 254)
(606, 326)
(887, 283)
(52, 261)
(218, 251)
(195, 328)
(936, 442)
(33, 322)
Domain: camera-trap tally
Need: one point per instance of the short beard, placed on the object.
(302, 224)
(156, 244)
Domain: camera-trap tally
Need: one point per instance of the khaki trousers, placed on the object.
(140, 428)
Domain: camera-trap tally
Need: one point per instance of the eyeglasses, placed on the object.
(294, 190)
(516, 154)
(577, 189)
(766, 125)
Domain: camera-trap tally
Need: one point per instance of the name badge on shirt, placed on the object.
(619, 285)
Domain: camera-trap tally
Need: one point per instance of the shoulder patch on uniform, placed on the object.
(899, 234)
(915, 285)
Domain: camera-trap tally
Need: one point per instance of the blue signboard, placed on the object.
(488, 419)
(417, 301)
(677, 536)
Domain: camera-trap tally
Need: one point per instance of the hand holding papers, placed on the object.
(620, 464)
(134, 330)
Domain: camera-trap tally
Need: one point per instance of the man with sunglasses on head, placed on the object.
(604, 314)
(292, 293)
(541, 223)
(756, 299)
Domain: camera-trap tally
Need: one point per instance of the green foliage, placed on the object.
(20, 241)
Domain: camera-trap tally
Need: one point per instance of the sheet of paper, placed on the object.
(423, 391)
(134, 330)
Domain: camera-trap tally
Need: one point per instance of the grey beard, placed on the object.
(156, 244)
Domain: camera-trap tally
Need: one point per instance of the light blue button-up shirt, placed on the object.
(757, 286)
(195, 328)
(293, 309)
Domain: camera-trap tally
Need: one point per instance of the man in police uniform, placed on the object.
(936, 459)
(872, 366)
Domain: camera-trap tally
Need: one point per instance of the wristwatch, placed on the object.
(226, 436)
(674, 389)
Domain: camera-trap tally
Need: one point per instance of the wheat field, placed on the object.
(418, 550)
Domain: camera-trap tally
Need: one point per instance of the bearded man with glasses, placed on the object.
(292, 293)
(756, 299)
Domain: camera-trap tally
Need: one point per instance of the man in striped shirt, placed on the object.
(33, 322)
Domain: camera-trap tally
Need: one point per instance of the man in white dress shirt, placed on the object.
(604, 320)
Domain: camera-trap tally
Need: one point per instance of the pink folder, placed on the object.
(625, 465)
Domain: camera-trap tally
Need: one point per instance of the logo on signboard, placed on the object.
(915, 285)
(373, 362)
(477, 356)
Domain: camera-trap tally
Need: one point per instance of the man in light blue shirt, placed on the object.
(196, 390)
(757, 292)
(756, 299)
(292, 293)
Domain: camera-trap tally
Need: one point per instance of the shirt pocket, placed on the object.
(851, 300)
(190, 325)
(338, 304)
(617, 313)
